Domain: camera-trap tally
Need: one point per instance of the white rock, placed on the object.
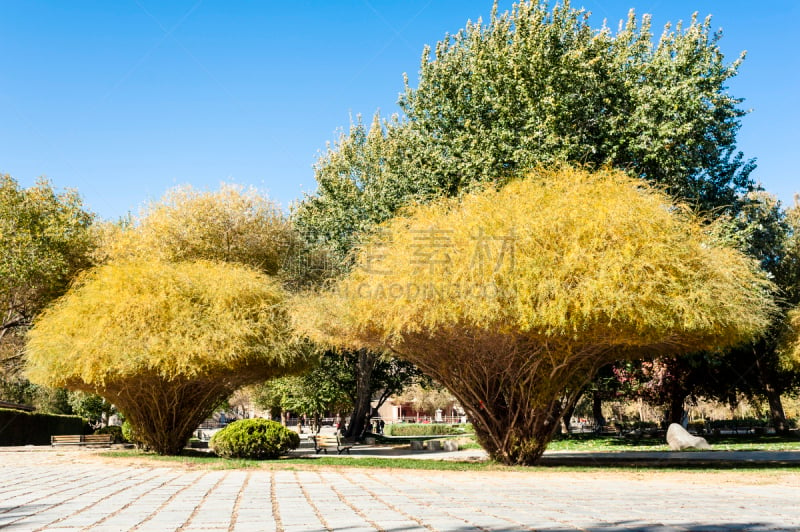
(679, 439)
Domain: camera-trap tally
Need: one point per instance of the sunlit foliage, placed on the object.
(231, 224)
(537, 85)
(790, 349)
(46, 238)
(511, 298)
(164, 342)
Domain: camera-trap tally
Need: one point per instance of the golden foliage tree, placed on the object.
(165, 342)
(513, 298)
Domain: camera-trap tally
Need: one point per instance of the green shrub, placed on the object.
(129, 435)
(33, 428)
(116, 430)
(432, 429)
(255, 439)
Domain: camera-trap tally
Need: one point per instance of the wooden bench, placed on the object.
(82, 439)
(323, 442)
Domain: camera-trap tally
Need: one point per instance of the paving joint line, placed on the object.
(51, 506)
(476, 509)
(522, 500)
(196, 510)
(391, 506)
(273, 496)
(427, 504)
(124, 507)
(311, 503)
(237, 504)
(347, 503)
(32, 490)
(165, 503)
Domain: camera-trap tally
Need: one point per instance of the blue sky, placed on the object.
(125, 99)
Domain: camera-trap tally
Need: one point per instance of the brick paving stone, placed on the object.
(64, 492)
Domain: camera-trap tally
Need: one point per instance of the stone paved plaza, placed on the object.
(74, 490)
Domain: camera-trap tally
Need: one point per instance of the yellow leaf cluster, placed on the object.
(790, 341)
(174, 321)
(231, 225)
(564, 258)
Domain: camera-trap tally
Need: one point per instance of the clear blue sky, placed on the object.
(125, 99)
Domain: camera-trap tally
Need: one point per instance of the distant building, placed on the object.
(396, 411)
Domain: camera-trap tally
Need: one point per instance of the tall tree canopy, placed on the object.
(512, 299)
(537, 86)
(165, 342)
(46, 238)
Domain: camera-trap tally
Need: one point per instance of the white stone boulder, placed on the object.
(450, 445)
(679, 439)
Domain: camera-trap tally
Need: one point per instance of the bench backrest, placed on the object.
(82, 438)
(66, 439)
(99, 438)
(326, 440)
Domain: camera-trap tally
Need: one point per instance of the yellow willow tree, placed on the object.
(513, 298)
(176, 345)
(165, 342)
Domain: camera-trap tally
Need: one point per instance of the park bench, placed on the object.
(611, 429)
(82, 439)
(323, 442)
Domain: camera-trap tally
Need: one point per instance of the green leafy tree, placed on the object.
(768, 233)
(535, 86)
(46, 238)
(164, 342)
(322, 389)
(331, 386)
(91, 407)
(513, 298)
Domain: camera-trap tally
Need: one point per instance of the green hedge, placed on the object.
(426, 429)
(32, 428)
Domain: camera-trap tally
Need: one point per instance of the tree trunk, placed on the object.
(516, 436)
(675, 408)
(597, 411)
(362, 406)
(164, 413)
(567, 416)
(776, 412)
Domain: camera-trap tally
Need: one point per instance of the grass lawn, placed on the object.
(575, 442)
(590, 442)
(193, 460)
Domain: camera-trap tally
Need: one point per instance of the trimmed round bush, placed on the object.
(257, 439)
